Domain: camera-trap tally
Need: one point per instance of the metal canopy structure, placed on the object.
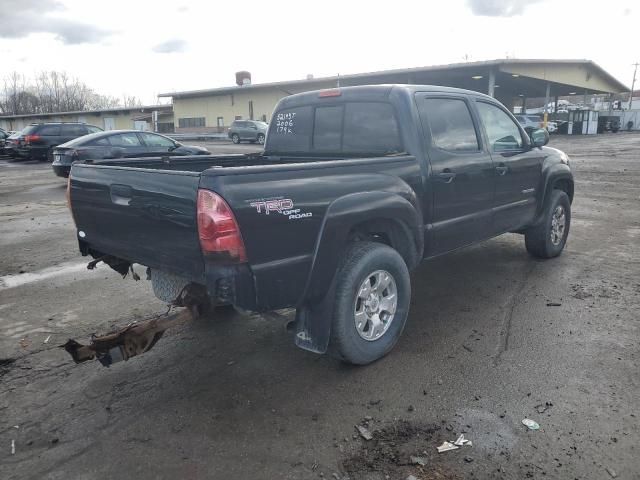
(505, 79)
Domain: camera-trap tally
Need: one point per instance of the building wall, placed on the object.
(232, 105)
(120, 121)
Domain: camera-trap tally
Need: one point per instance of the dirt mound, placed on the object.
(397, 451)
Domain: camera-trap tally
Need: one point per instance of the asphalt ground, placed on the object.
(494, 336)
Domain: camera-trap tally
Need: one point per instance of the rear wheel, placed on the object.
(261, 139)
(235, 138)
(547, 240)
(371, 303)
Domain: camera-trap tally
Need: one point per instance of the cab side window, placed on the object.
(502, 131)
(450, 123)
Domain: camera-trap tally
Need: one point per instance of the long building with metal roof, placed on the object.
(511, 81)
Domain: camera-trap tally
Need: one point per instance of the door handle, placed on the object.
(447, 175)
(502, 169)
(121, 194)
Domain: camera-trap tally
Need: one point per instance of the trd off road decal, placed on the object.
(283, 206)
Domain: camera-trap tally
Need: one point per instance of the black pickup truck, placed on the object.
(354, 188)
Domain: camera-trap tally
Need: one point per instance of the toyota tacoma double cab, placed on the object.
(355, 187)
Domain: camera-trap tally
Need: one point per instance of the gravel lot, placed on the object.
(493, 337)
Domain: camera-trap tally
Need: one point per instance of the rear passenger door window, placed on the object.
(450, 124)
(49, 131)
(157, 143)
(72, 131)
(100, 142)
(125, 140)
(129, 145)
(502, 132)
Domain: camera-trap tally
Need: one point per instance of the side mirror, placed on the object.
(539, 137)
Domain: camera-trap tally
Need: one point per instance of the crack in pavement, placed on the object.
(508, 316)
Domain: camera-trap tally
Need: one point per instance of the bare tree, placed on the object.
(130, 101)
(15, 97)
(51, 92)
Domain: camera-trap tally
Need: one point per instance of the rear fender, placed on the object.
(315, 312)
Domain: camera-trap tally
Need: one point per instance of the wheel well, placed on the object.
(390, 232)
(566, 186)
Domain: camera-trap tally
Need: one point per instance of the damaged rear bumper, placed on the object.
(127, 342)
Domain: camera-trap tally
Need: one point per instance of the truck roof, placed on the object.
(370, 92)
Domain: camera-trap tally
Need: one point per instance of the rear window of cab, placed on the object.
(353, 128)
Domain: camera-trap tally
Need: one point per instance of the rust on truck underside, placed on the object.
(126, 342)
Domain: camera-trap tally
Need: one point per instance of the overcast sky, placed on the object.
(144, 48)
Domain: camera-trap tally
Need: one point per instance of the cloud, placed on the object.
(499, 8)
(20, 19)
(174, 45)
(73, 33)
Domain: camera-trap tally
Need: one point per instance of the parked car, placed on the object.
(248, 130)
(39, 139)
(530, 122)
(11, 144)
(608, 124)
(3, 137)
(354, 188)
(118, 144)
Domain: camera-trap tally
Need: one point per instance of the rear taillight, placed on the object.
(31, 138)
(217, 228)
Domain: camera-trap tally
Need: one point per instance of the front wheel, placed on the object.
(371, 303)
(235, 138)
(547, 240)
(261, 139)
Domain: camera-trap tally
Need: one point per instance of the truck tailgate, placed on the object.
(142, 215)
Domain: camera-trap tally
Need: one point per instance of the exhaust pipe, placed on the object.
(127, 342)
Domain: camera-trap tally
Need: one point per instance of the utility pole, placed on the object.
(633, 84)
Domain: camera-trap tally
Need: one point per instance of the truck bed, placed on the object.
(144, 210)
(200, 163)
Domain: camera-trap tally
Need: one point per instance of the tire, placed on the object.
(261, 139)
(547, 240)
(235, 138)
(368, 262)
(49, 155)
